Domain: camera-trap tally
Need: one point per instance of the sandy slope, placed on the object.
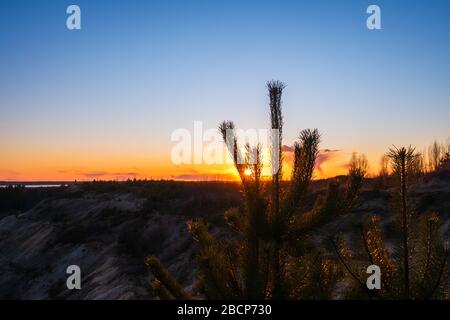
(109, 234)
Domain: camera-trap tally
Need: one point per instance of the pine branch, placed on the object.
(161, 290)
(366, 246)
(305, 155)
(344, 263)
(235, 282)
(441, 274)
(165, 279)
(307, 272)
(403, 161)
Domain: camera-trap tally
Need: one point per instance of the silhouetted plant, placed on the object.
(414, 267)
(445, 161)
(272, 256)
(434, 155)
(384, 171)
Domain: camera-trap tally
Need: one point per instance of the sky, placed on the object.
(103, 102)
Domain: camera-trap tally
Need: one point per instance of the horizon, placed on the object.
(102, 103)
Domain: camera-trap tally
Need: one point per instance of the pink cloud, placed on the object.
(323, 156)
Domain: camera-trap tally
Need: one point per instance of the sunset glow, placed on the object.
(225, 155)
(69, 113)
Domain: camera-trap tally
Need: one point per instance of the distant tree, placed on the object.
(359, 161)
(445, 158)
(415, 267)
(384, 166)
(434, 155)
(272, 255)
(445, 161)
(421, 164)
(383, 173)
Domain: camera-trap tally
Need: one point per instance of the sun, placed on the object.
(248, 172)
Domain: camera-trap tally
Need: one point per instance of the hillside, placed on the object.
(109, 228)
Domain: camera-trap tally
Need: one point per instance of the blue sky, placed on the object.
(137, 70)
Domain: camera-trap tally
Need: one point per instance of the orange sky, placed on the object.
(103, 101)
(35, 165)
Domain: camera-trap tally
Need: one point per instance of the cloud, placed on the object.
(204, 177)
(94, 174)
(324, 156)
(286, 148)
(10, 175)
(111, 175)
(129, 174)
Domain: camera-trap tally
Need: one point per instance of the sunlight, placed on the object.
(248, 172)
